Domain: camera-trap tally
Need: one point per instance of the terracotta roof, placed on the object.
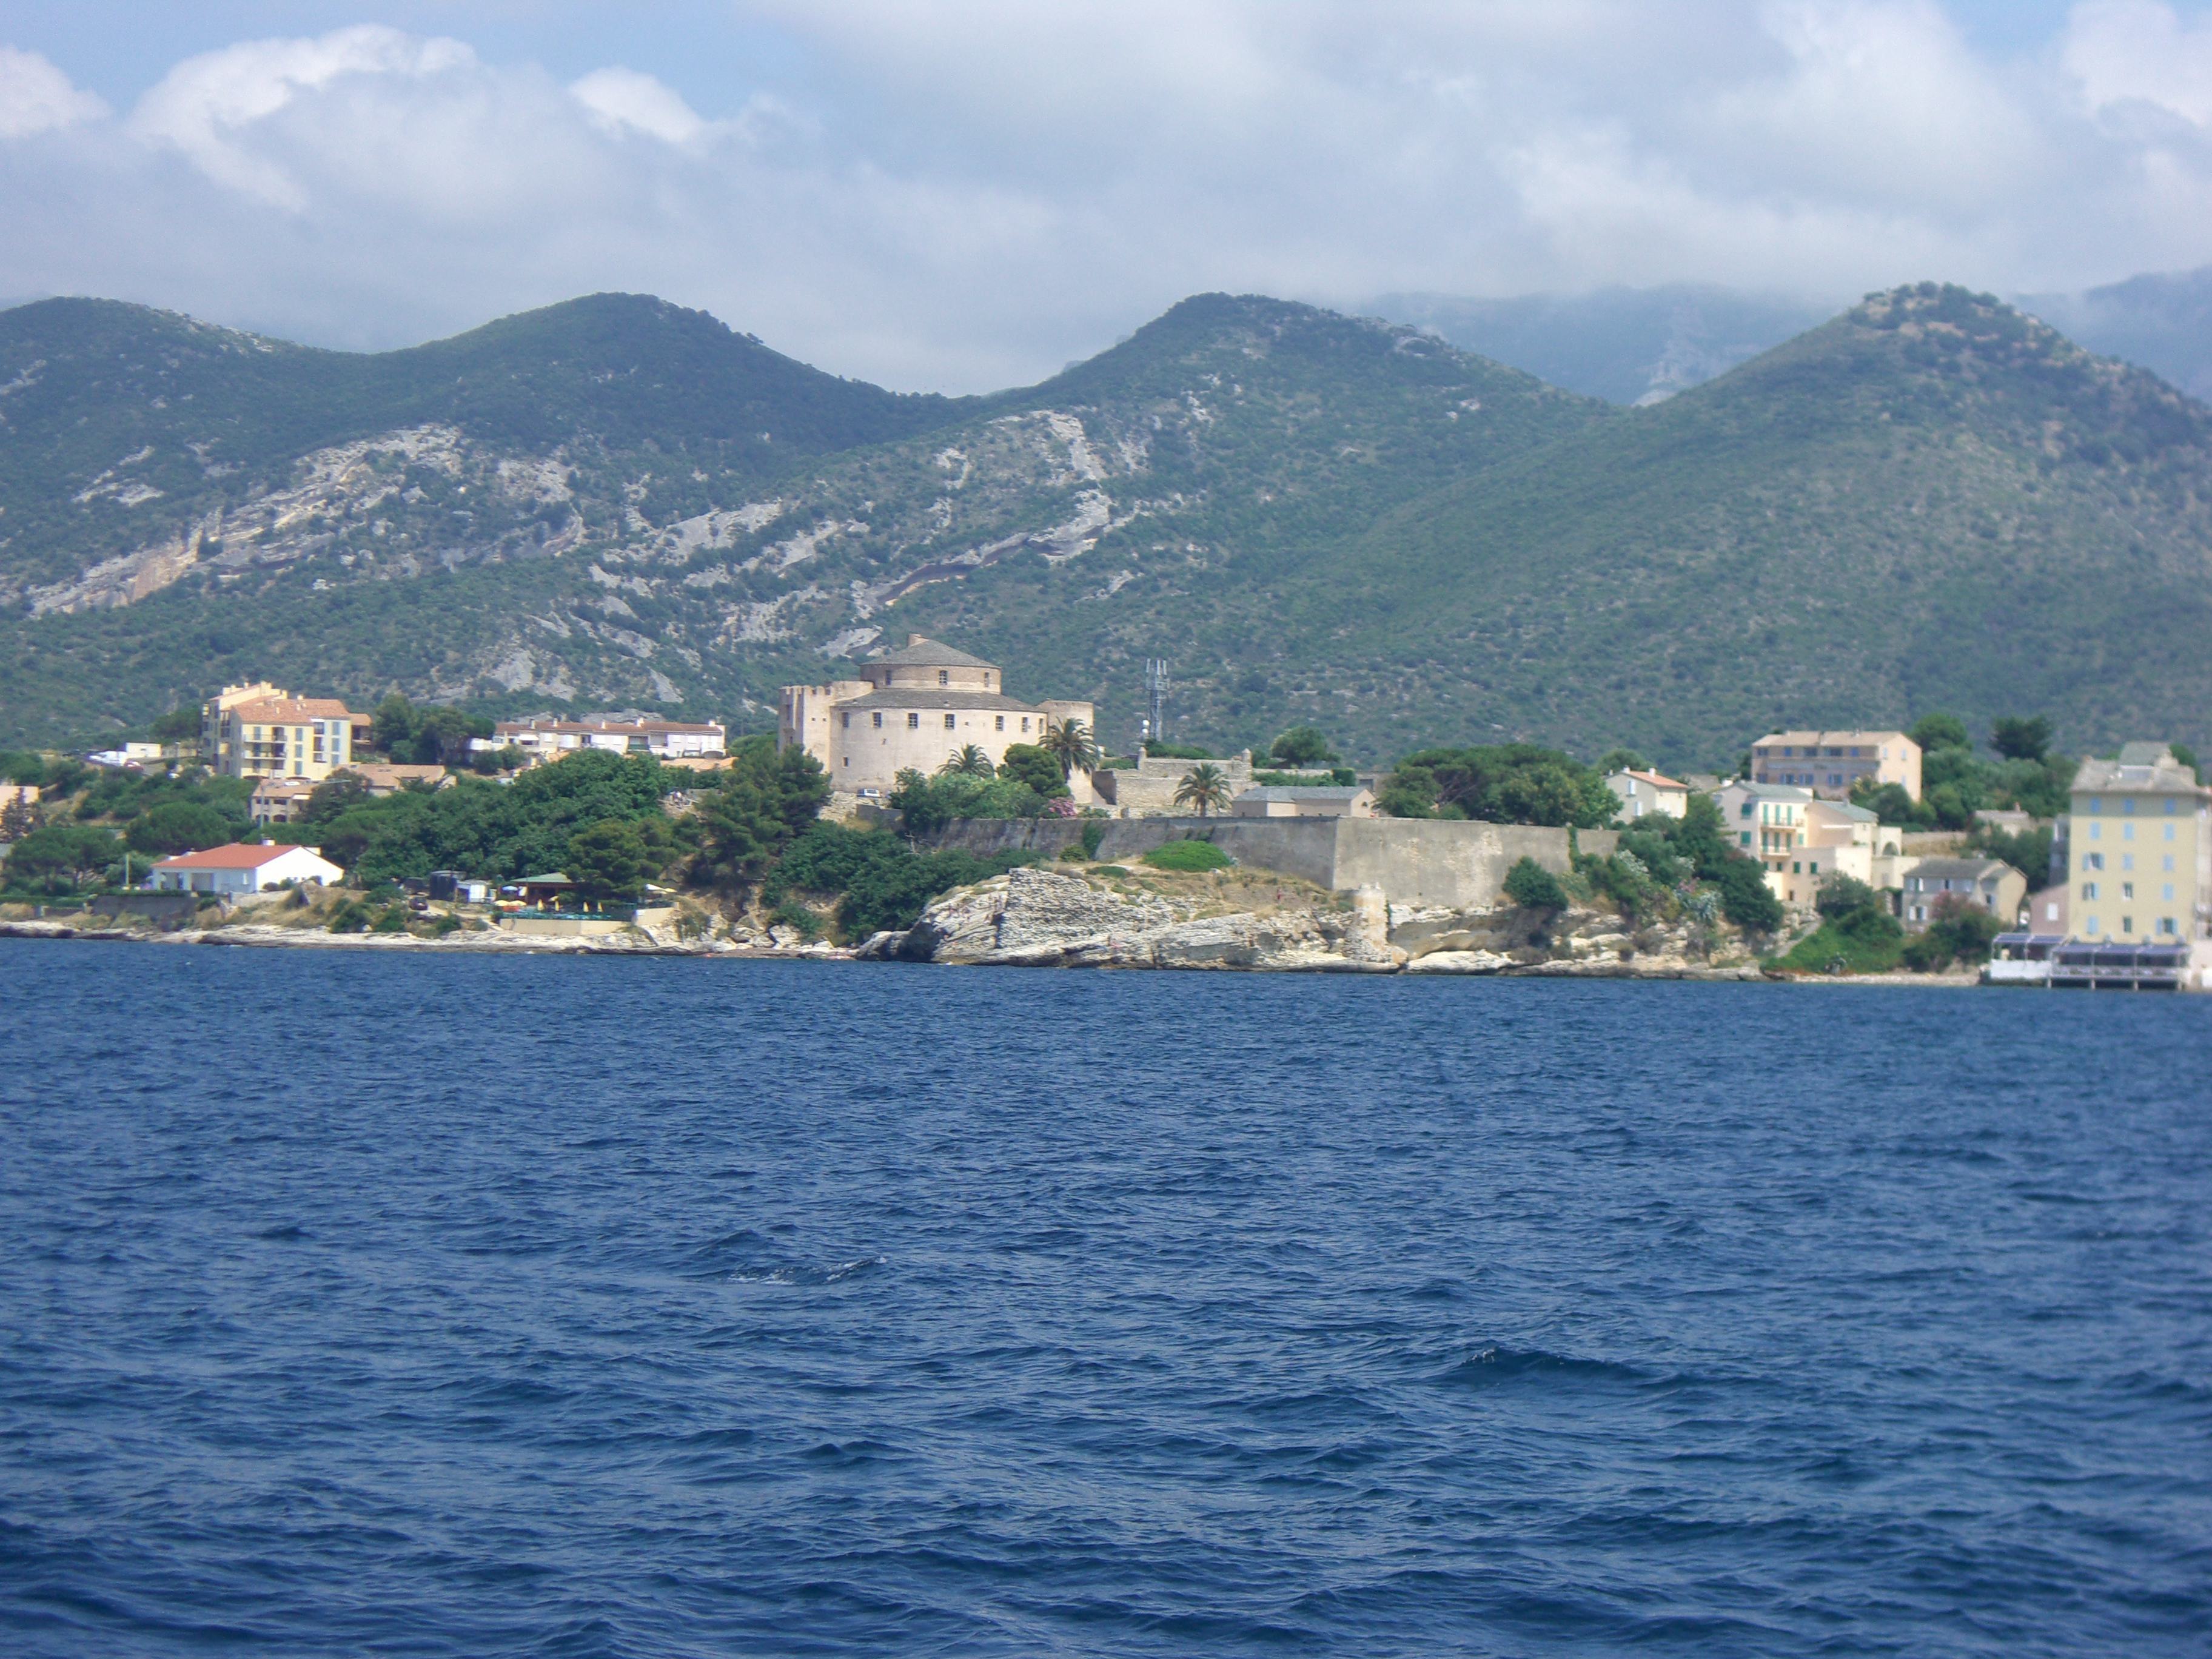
(1657, 780)
(282, 711)
(239, 855)
(915, 696)
(921, 652)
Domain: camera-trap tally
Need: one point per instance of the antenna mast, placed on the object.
(1155, 699)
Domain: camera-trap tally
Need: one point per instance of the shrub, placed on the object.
(1094, 832)
(1960, 933)
(796, 916)
(350, 917)
(1533, 887)
(1188, 857)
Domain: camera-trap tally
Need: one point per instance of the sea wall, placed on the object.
(1415, 861)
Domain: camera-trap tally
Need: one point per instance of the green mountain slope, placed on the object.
(572, 539)
(1931, 501)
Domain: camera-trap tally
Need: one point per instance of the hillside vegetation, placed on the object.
(1932, 501)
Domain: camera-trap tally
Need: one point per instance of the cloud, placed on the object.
(36, 97)
(963, 197)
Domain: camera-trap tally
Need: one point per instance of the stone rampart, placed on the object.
(1415, 861)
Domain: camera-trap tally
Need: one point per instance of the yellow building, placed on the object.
(260, 731)
(1829, 762)
(2139, 858)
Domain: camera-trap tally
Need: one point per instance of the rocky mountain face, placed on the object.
(1931, 501)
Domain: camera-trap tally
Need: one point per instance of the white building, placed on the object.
(545, 738)
(1642, 793)
(245, 867)
(916, 708)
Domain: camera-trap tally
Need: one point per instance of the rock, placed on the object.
(1460, 962)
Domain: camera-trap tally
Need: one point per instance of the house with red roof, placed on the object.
(245, 867)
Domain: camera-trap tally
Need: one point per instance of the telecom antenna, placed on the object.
(1155, 699)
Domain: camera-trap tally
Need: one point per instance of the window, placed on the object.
(2127, 924)
(2092, 860)
(2127, 860)
(2089, 890)
(2169, 832)
(2096, 830)
(1816, 869)
(2166, 892)
(1025, 722)
(2171, 807)
(1001, 725)
(2168, 863)
(944, 676)
(914, 722)
(1743, 838)
(2096, 803)
(2129, 806)
(2127, 832)
(848, 718)
(948, 722)
(2091, 927)
(2166, 926)
(879, 717)
(1745, 813)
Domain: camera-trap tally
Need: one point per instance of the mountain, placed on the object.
(2161, 323)
(1931, 501)
(1625, 345)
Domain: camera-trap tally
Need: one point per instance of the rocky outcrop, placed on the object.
(1033, 918)
(1039, 918)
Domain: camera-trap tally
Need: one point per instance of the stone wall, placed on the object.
(1415, 861)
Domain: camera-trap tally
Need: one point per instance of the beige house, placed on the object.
(1829, 762)
(2139, 854)
(1302, 802)
(546, 738)
(280, 800)
(1989, 884)
(260, 731)
(1642, 793)
(916, 708)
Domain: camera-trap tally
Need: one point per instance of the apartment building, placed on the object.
(545, 738)
(1828, 763)
(261, 730)
(2139, 852)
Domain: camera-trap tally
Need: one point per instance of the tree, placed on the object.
(1845, 895)
(1025, 763)
(178, 826)
(391, 729)
(1935, 732)
(178, 725)
(339, 793)
(1888, 802)
(1069, 743)
(970, 762)
(1533, 887)
(1960, 931)
(764, 799)
(1499, 783)
(1746, 899)
(1303, 745)
(443, 736)
(63, 853)
(2026, 739)
(1205, 787)
(607, 860)
(1622, 760)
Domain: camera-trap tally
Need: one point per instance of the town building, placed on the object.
(260, 731)
(913, 708)
(544, 738)
(280, 800)
(245, 867)
(1302, 802)
(1772, 822)
(2139, 849)
(1845, 840)
(1989, 884)
(1829, 762)
(1642, 793)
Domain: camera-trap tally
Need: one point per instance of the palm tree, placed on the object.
(1069, 742)
(969, 762)
(1205, 787)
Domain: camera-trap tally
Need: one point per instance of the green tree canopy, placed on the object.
(1205, 787)
(1500, 783)
(1069, 742)
(1935, 732)
(764, 799)
(1622, 760)
(178, 826)
(1533, 887)
(2022, 739)
(1303, 746)
(63, 853)
(178, 725)
(968, 762)
(1025, 763)
(607, 860)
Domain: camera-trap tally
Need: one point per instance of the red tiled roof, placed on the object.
(279, 711)
(239, 855)
(1657, 780)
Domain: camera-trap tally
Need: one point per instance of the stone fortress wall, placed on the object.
(1414, 861)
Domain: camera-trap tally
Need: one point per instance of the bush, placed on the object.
(1746, 899)
(1845, 895)
(1303, 746)
(350, 917)
(1177, 751)
(1188, 857)
(1960, 933)
(796, 916)
(1499, 783)
(1862, 939)
(1094, 834)
(881, 882)
(1533, 887)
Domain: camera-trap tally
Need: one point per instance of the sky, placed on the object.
(956, 197)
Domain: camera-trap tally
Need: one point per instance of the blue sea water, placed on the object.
(356, 1304)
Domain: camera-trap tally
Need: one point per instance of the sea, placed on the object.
(427, 1305)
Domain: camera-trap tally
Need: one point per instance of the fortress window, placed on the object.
(948, 722)
(1025, 722)
(914, 722)
(879, 718)
(1001, 725)
(944, 676)
(848, 718)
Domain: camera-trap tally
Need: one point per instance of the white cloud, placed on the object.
(36, 97)
(622, 98)
(968, 196)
